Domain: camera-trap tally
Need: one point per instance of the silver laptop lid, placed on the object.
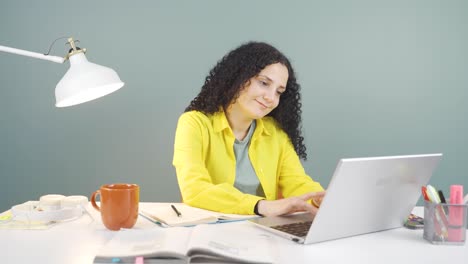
(371, 194)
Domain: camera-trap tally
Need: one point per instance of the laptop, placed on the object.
(365, 195)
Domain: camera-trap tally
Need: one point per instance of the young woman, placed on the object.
(237, 146)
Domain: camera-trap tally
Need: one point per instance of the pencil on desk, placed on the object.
(176, 211)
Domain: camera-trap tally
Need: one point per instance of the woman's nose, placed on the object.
(269, 96)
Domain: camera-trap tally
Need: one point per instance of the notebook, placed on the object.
(164, 215)
(365, 195)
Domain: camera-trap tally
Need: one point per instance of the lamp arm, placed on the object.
(32, 54)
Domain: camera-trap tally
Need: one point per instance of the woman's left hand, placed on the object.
(291, 204)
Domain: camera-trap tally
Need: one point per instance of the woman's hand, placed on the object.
(291, 204)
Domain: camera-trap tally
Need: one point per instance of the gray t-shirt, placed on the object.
(246, 178)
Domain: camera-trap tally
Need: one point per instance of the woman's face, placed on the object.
(262, 92)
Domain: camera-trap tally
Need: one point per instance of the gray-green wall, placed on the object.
(378, 78)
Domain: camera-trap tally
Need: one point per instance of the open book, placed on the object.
(164, 215)
(225, 243)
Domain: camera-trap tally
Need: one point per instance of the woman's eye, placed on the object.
(264, 83)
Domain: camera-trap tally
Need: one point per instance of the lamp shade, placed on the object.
(85, 81)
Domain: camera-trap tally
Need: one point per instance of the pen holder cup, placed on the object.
(445, 224)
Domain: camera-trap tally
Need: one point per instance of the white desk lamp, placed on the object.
(83, 82)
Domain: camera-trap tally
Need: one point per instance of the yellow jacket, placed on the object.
(206, 166)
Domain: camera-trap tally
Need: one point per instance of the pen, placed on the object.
(432, 194)
(424, 193)
(442, 197)
(176, 211)
(439, 212)
(442, 200)
(153, 219)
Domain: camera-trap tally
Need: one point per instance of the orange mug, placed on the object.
(119, 204)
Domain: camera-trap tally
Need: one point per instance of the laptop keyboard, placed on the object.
(298, 229)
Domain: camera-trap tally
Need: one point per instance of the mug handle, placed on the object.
(93, 200)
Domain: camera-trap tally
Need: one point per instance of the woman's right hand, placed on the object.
(290, 205)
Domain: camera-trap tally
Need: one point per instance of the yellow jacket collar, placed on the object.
(220, 123)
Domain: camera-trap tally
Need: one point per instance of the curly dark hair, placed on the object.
(233, 72)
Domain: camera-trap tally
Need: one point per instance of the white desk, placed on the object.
(79, 241)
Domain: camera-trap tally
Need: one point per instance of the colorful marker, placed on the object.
(456, 228)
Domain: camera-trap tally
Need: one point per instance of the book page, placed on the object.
(229, 242)
(156, 243)
(189, 216)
